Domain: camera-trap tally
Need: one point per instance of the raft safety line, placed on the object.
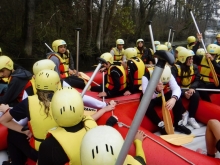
(120, 124)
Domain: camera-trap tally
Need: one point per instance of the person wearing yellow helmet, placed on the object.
(172, 96)
(115, 78)
(135, 70)
(178, 49)
(64, 64)
(187, 76)
(18, 81)
(217, 42)
(102, 136)
(144, 53)
(118, 51)
(207, 80)
(192, 44)
(67, 110)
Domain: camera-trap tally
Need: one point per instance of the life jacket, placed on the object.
(71, 141)
(118, 55)
(28, 86)
(131, 161)
(139, 72)
(139, 54)
(64, 65)
(39, 123)
(190, 47)
(4, 80)
(185, 80)
(205, 70)
(166, 87)
(110, 84)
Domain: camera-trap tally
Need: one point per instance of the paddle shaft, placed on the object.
(166, 116)
(172, 37)
(216, 82)
(161, 145)
(152, 38)
(140, 113)
(203, 89)
(77, 49)
(103, 85)
(91, 79)
(48, 47)
(169, 35)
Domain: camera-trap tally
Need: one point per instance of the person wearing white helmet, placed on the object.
(135, 70)
(207, 80)
(187, 76)
(115, 78)
(64, 64)
(144, 53)
(64, 140)
(172, 96)
(102, 137)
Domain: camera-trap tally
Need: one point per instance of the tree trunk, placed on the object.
(28, 26)
(100, 25)
(89, 27)
(110, 20)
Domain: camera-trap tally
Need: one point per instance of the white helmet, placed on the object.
(165, 77)
(120, 42)
(67, 107)
(43, 64)
(200, 51)
(130, 52)
(101, 146)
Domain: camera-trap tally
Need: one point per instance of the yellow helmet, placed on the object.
(98, 139)
(139, 40)
(200, 51)
(217, 36)
(43, 64)
(107, 57)
(47, 80)
(179, 48)
(191, 39)
(165, 77)
(120, 42)
(67, 107)
(168, 44)
(130, 52)
(57, 43)
(213, 49)
(6, 62)
(161, 47)
(183, 54)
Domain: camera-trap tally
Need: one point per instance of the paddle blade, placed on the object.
(84, 76)
(214, 75)
(178, 139)
(167, 118)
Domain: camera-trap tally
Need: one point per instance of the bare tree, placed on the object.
(100, 25)
(28, 26)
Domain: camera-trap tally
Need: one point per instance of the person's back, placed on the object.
(18, 81)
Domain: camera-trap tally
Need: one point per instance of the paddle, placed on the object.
(216, 82)
(166, 116)
(204, 89)
(86, 77)
(169, 34)
(179, 139)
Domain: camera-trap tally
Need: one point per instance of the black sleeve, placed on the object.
(196, 82)
(15, 87)
(197, 59)
(140, 159)
(71, 62)
(216, 66)
(196, 47)
(131, 70)
(51, 153)
(20, 111)
(115, 74)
